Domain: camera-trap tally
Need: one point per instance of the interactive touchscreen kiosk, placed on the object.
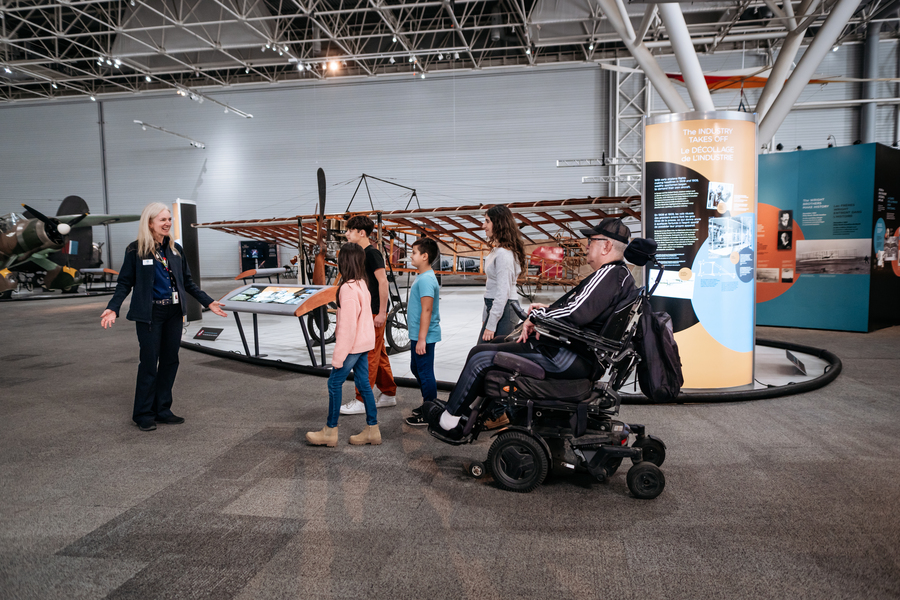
(288, 300)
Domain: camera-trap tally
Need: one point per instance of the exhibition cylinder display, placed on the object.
(700, 206)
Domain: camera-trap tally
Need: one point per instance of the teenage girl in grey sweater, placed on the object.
(502, 267)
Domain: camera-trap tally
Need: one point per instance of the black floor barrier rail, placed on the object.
(830, 374)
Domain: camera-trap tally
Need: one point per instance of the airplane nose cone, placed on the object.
(63, 229)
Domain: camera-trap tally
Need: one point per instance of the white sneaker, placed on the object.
(354, 407)
(382, 400)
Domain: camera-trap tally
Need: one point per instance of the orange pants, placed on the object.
(380, 367)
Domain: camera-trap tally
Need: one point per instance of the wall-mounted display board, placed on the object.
(827, 235)
(700, 207)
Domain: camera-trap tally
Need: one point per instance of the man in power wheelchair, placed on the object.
(558, 382)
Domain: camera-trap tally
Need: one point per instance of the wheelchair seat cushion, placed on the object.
(496, 385)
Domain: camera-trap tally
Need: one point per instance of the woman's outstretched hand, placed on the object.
(216, 308)
(108, 318)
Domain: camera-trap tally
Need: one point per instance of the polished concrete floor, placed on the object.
(793, 497)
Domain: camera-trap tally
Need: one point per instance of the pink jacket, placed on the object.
(355, 326)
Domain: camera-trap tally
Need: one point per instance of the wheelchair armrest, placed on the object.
(517, 364)
(557, 329)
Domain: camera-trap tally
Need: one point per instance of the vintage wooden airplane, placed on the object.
(556, 251)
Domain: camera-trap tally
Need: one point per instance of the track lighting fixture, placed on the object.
(93, 99)
(147, 78)
(193, 143)
(53, 85)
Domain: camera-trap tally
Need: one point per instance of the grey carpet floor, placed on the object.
(793, 497)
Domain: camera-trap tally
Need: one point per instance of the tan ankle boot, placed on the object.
(327, 437)
(369, 435)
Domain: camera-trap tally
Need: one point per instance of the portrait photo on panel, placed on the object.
(784, 240)
(785, 220)
(719, 193)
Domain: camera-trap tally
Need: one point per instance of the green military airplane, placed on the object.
(26, 243)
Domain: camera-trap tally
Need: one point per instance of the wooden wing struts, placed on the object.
(551, 229)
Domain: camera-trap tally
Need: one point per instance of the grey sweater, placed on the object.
(502, 270)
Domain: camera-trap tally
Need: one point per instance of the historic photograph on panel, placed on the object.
(787, 276)
(784, 240)
(890, 248)
(845, 257)
(767, 275)
(718, 193)
(785, 220)
(728, 234)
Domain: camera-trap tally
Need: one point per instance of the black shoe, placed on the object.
(416, 420)
(173, 420)
(147, 426)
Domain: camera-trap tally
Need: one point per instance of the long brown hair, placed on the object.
(505, 232)
(351, 265)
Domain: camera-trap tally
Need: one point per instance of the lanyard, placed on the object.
(160, 256)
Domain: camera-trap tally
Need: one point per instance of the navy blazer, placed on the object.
(135, 274)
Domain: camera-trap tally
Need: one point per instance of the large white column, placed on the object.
(673, 19)
(820, 46)
(644, 58)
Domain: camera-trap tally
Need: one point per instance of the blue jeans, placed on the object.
(359, 364)
(422, 368)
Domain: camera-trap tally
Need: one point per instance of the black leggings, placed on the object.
(564, 364)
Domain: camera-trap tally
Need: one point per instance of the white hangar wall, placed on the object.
(458, 139)
(464, 139)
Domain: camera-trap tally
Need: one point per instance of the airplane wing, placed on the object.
(92, 220)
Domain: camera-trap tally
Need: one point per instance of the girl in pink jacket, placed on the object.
(355, 337)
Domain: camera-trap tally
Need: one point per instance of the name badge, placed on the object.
(148, 262)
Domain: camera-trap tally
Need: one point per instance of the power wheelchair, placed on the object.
(567, 425)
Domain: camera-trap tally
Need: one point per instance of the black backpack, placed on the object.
(659, 372)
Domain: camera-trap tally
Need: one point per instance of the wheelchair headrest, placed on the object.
(641, 251)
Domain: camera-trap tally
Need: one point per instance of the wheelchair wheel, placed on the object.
(476, 469)
(517, 462)
(645, 480)
(652, 450)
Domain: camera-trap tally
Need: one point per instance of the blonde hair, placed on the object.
(146, 243)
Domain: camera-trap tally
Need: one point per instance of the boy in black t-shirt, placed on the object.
(359, 228)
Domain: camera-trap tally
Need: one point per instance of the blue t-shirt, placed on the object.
(425, 285)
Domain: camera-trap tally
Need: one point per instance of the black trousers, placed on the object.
(160, 341)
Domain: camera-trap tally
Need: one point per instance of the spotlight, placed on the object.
(99, 60)
(299, 66)
(456, 56)
(333, 65)
(93, 99)
(285, 48)
(591, 47)
(835, 48)
(394, 39)
(7, 69)
(857, 142)
(440, 57)
(53, 85)
(527, 50)
(779, 147)
(132, 2)
(263, 49)
(118, 62)
(109, 62)
(831, 143)
(392, 61)
(147, 78)
(226, 111)
(268, 45)
(144, 127)
(247, 70)
(410, 59)
(280, 53)
(423, 75)
(309, 67)
(798, 148)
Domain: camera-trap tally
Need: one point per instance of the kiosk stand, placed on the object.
(284, 300)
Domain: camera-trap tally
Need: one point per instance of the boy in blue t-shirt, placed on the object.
(424, 318)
